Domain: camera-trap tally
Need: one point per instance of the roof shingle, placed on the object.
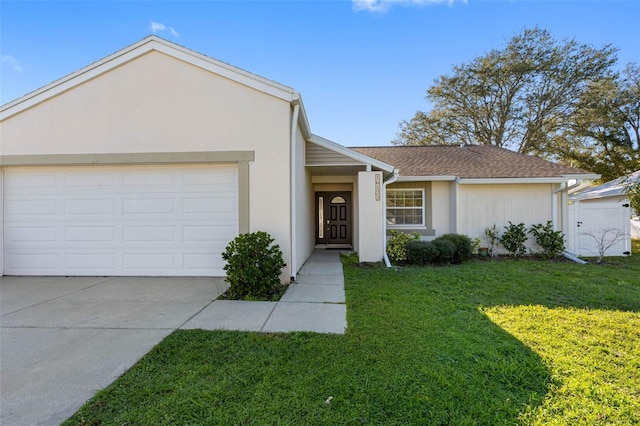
(466, 162)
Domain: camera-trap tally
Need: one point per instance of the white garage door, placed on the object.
(119, 220)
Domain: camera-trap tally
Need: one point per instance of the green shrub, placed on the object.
(253, 266)
(463, 246)
(397, 245)
(514, 238)
(446, 251)
(552, 242)
(430, 252)
(420, 252)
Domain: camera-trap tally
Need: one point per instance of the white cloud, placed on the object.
(384, 5)
(12, 62)
(157, 27)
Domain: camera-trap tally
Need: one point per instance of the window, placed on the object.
(405, 207)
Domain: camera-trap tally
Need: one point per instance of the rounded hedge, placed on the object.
(463, 246)
(253, 266)
(448, 248)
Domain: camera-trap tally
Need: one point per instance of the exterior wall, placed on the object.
(305, 207)
(371, 247)
(454, 196)
(157, 103)
(440, 194)
(1, 223)
(480, 206)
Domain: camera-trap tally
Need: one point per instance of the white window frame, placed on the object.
(423, 208)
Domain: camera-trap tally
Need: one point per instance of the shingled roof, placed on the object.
(467, 162)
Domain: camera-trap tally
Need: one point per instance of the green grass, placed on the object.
(487, 342)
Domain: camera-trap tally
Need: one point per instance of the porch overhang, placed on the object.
(326, 158)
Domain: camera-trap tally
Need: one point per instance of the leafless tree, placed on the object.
(605, 239)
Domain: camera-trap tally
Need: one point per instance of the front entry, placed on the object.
(333, 218)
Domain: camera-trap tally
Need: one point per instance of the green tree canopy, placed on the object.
(554, 99)
(605, 132)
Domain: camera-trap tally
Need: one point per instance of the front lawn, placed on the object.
(491, 342)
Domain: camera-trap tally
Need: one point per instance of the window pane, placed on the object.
(405, 207)
(404, 216)
(321, 217)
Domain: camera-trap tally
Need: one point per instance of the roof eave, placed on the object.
(426, 178)
(514, 180)
(326, 143)
(583, 176)
(303, 119)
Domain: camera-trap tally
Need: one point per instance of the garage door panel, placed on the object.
(214, 234)
(149, 261)
(31, 234)
(206, 205)
(89, 234)
(199, 178)
(87, 181)
(26, 182)
(15, 207)
(102, 263)
(133, 220)
(89, 206)
(150, 181)
(148, 206)
(200, 264)
(29, 263)
(145, 233)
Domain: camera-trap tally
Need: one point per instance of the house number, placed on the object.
(377, 187)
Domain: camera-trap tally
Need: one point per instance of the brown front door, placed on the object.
(333, 218)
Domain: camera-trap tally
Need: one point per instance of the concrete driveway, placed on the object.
(62, 339)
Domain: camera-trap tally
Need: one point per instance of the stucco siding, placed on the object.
(441, 212)
(371, 246)
(480, 206)
(157, 103)
(153, 103)
(305, 206)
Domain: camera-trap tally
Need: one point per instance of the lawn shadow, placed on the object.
(468, 368)
(464, 368)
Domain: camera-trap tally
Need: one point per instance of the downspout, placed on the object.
(292, 189)
(393, 178)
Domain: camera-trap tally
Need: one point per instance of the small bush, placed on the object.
(430, 252)
(397, 245)
(552, 242)
(253, 266)
(475, 245)
(463, 246)
(492, 235)
(514, 238)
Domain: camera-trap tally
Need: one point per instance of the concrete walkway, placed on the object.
(316, 302)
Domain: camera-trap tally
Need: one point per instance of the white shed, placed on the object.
(602, 215)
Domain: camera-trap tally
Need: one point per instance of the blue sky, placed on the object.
(360, 66)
